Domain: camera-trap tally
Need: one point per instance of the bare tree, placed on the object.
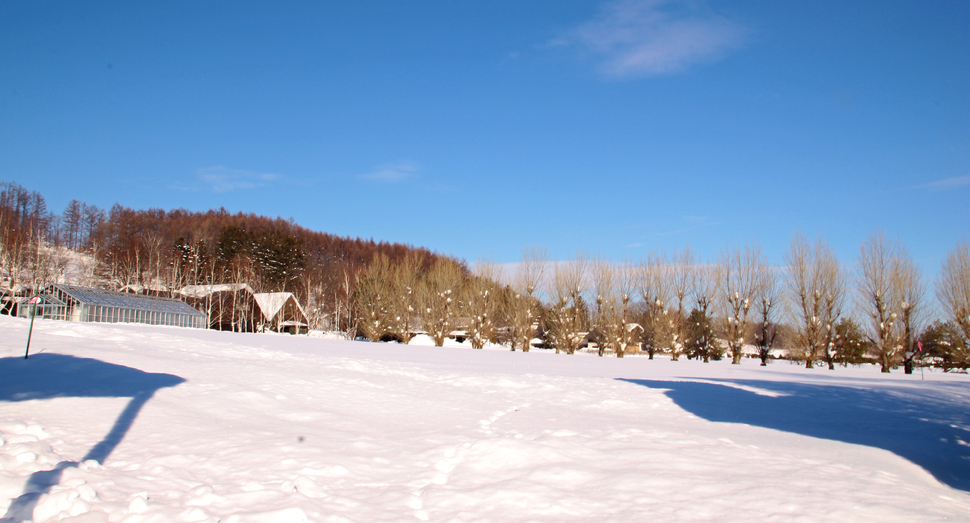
(372, 297)
(241, 271)
(626, 332)
(614, 287)
(344, 299)
(890, 294)
(568, 318)
(521, 305)
(14, 253)
(683, 278)
(910, 286)
(45, 263)
(654, 282)
(833, 295)
(316, 296)
(23, 218)
(741, 276)
(603, 273)
(153, 241)
(440, 294)
(72, 224)
(700, 324)
(210, 296)
(480, 301)
(876, 297)
(815, 285)
(953, 288)
(93, 224)
(404, 297)
(765, 305)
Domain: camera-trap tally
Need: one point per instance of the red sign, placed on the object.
(35, 300)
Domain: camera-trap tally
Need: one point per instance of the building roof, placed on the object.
(47, 298)
(201, 291)
(270, 303)
(137, 288)
(122, 299)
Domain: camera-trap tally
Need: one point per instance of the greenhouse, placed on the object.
(70, 303)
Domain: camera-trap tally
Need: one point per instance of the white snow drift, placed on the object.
(136, 423)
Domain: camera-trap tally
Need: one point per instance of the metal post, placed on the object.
(33, 313)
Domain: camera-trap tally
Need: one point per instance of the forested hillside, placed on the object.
(166, 250)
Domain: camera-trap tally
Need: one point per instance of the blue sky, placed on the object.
(476, 128)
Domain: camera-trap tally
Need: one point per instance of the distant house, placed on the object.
(635, 334)
(73, 303)
(228, 306)
(11, 295)
(10, 302)
(235, 307)
(281, 312)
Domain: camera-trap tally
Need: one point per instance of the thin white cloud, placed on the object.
(651, 37)
(956, 181)
(392, 173)
(692, 223)
(224, 179)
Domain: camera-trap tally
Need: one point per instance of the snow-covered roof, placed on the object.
(270, 303)
(201, 291)
(138, 288)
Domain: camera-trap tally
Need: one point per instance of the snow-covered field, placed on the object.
(136, 423)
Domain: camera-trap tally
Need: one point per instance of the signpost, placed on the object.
(33, 312)
(920, 345)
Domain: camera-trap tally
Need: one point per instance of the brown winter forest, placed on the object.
(166, 250)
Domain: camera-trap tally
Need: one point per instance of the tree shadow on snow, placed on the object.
(46, 376)
(932, 434)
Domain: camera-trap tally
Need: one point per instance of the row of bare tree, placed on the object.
(680, 305)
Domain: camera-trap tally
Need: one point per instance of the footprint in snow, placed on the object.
(486, 424)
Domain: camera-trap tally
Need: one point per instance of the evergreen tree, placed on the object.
(850, 344)
(944, 345)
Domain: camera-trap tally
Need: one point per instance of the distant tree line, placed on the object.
(162, 251)
(815, 309)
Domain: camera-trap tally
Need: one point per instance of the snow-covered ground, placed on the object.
(137, 423)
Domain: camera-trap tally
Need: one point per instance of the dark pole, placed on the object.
(33, 313)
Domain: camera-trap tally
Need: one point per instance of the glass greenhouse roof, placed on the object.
(126, 301)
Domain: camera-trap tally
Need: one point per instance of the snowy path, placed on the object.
(279, 428)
